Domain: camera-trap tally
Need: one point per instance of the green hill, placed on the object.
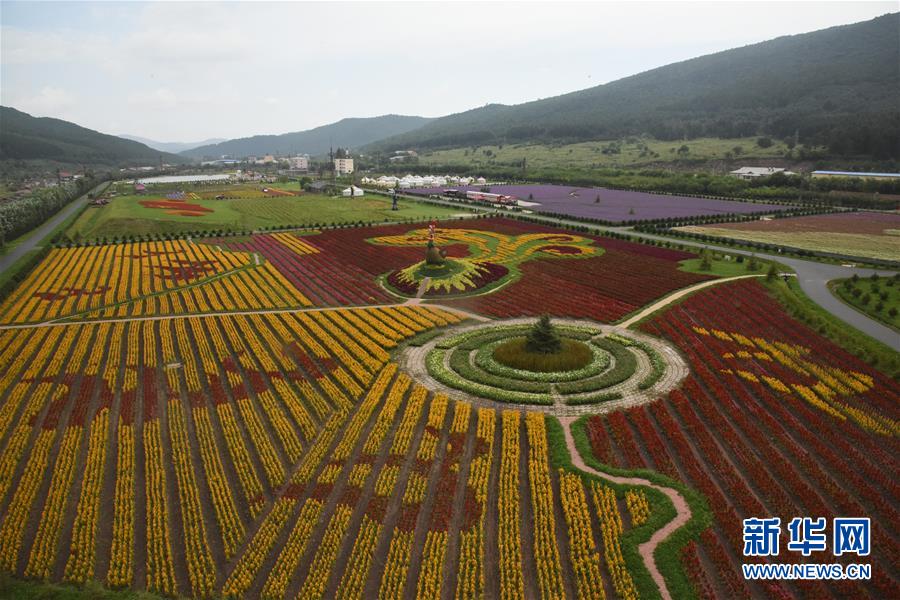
(27, 138)
(347, 133)
(837, 87)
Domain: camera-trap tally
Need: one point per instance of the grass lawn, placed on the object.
(867, 349)
(883, 293)
(591, 154)
(886, 247)
(124, 215)
(35, 590)
(723, 268)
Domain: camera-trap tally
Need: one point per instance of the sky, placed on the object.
(189, 71)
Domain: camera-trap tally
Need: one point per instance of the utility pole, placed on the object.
(333, 168)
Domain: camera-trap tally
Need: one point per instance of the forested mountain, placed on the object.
(351, 133)
(171, 146)
(837, 87)
(27, 138)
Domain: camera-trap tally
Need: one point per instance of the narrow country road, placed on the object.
(813, 278)
(37, 236)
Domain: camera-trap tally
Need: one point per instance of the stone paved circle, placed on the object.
(412, 360)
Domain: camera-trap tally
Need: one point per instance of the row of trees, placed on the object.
(20, 215)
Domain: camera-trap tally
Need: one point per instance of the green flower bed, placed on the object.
(484, 359)
(572, 355)
(467, 362)
(459, 363)
(624, 366)
(434, 363)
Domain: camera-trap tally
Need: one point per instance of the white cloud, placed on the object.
(160, 98)
(49, 101)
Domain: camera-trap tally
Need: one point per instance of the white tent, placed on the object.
(353, 191)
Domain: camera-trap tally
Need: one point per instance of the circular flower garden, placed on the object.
(593, 365)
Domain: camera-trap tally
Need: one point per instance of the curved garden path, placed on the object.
(677, 295)
(682, 509)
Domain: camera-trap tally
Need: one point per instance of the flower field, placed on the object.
(615, 206)
(492, 257)
(871, 235)
(774, 420)
(274, 455)
(605, 288)
(238, 418)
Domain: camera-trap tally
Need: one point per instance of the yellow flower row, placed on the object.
(386, 417)
(43, 552)
(279, 577)
(357, 569)
(404, 434)
(546, 553)
(371, 356)
(80, 564)
(326, 553)
(582, 550)
(366, 407)
(611, 529)
(393, 579)
(431, 573)
(470, 578)
(160, 567)
(200, 566)
(638, 507)
(17, 512)
(240, 458)
(230, 524)
(262, 441)
(510, 551)
(121, 562)
(241, 578)
(295, 243)
(428, 446)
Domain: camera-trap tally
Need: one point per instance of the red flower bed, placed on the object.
(757, 450)
(606, 288)
(175, 206)
(323, 277)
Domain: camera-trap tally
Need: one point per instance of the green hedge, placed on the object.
(484, 359)
(434, 363)
(625, 364)
(459, 363)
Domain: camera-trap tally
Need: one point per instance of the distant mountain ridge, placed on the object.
(351, 132)
(836, 87)
(27, 138)
(174, 147)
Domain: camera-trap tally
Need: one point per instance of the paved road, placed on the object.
(37, 237)
(813, 277)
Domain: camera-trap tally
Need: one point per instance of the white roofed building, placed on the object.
(754, 172)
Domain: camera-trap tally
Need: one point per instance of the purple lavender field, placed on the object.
(615, 205)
